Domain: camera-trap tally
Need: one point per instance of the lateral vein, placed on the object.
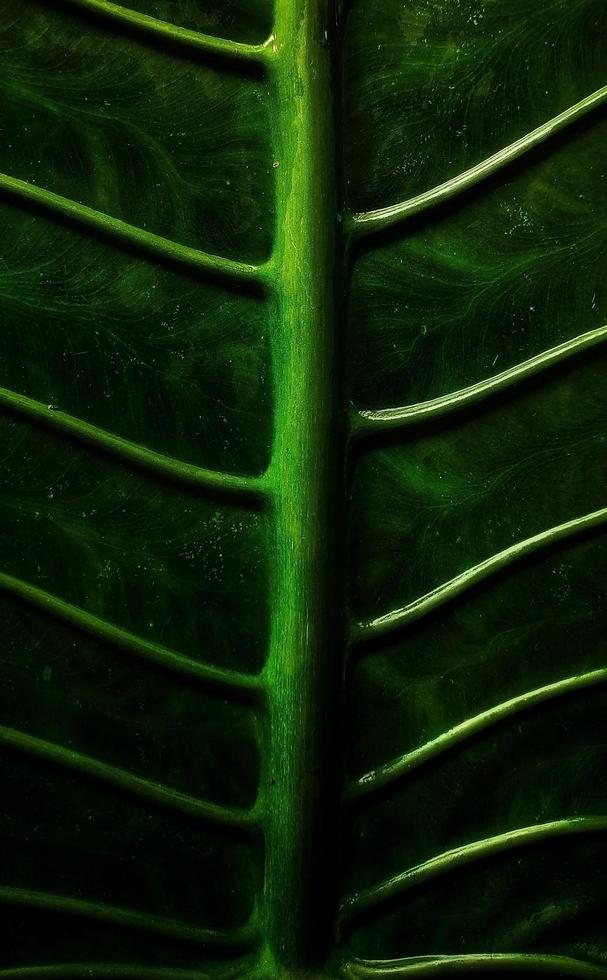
(459, 857)
(381, 420)
(416, 610)
(230, 682)
(409, 762)
(464, 963)
(101, 971)
(154, 245)
(127, 918)
(137, 786)
(367, 222)
(186, 474)
(195, 40)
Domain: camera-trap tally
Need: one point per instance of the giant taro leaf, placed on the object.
(303, 421)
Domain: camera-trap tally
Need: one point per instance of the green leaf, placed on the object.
(303, 438)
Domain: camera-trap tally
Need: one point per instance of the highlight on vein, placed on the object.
(118, 15)
(367, 222)
(465, 963)
(128, 782)
(400, 767)
(187, 474)
(231, 682)
(459, 857)
(155, 245)
(384, 419)
(416, 610)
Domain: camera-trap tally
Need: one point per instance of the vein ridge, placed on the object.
(366, 222)
(127, 918)
(228, 681)
(137, 786)
(401, 766)
(461, 964)
(459, 857)
(196, 40)
(384, 419)
(437, 597)
(158, 247)
(186, 474)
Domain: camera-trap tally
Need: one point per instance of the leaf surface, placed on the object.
(302, 371)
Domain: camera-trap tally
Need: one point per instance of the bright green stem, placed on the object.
(304, 662)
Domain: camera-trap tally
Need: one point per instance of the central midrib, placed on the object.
(304, 669)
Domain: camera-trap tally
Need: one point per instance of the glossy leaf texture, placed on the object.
(302, 393)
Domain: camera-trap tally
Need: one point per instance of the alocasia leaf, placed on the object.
(303, 438)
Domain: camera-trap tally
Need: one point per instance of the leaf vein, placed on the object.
(129, 782)
(367, 222)
(436, 966)
(460, 857)
(128, 918)
(411, 761)
(416, 610)
(155, 245)
(228, 681)
(186, 474)
(195, 40)
(381, 420)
